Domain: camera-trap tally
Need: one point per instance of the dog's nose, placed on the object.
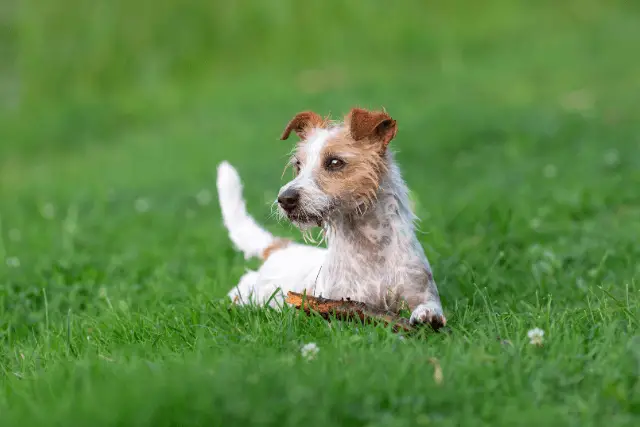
(288, 199)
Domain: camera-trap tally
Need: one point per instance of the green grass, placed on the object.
(519, 139)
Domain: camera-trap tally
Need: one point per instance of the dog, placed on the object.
(346, 182)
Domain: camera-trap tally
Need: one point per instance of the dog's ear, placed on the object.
(377, 125)
(302, 123)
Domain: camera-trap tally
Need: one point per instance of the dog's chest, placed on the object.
(375, 270)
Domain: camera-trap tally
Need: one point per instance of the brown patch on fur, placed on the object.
(374, 125)
(359, 179)
(302, 123)
(275, 246)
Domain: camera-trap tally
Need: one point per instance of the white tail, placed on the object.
(244, 232)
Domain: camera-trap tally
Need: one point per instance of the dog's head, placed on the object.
(337, 166)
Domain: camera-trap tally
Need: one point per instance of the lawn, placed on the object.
(519, 137)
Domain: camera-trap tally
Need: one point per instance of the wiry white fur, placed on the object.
(293, 268)
(357, 259)
(373, 257)
(245, 234)
(312, 197)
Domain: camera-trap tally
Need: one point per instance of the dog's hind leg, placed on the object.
(250, 291)
(244, 292)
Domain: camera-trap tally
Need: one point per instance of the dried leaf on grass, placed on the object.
(437, 370)
(347, 310)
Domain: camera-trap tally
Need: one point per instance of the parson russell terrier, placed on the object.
(346, 182)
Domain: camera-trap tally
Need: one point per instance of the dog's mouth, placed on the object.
(307, 218)
(304, 219)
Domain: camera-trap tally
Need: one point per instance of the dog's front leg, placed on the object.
(429, 310)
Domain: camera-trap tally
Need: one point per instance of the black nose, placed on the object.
(288, 199)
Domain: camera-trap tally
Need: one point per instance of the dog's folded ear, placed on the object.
(377, 125)
(302, 123)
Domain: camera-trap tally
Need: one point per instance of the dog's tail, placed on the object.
(244, 232)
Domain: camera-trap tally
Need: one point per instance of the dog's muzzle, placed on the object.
(288, 200)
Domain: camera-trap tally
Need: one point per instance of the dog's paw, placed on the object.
(429, 313)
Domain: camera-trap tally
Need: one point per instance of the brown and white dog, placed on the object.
(347, 182)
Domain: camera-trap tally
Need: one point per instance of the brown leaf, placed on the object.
(437, 370)
(346, 310)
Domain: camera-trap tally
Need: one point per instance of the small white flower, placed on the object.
(15, 235)
(48, 211)
(142, 205)
(582, 284)
(309, 351)
(203, 197)
(612, 157)
(550, 171)
(535, 223)
(70, 226)
(536, 336)
(13, 262)
(550, 255)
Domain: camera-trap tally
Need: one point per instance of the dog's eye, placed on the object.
(296, 167)
(334, 164)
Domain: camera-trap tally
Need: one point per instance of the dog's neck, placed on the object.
(375, 228)
(376, 246)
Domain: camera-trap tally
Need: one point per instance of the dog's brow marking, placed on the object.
(313, 149)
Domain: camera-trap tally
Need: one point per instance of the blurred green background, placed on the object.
(518, 136)
(76, 71)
